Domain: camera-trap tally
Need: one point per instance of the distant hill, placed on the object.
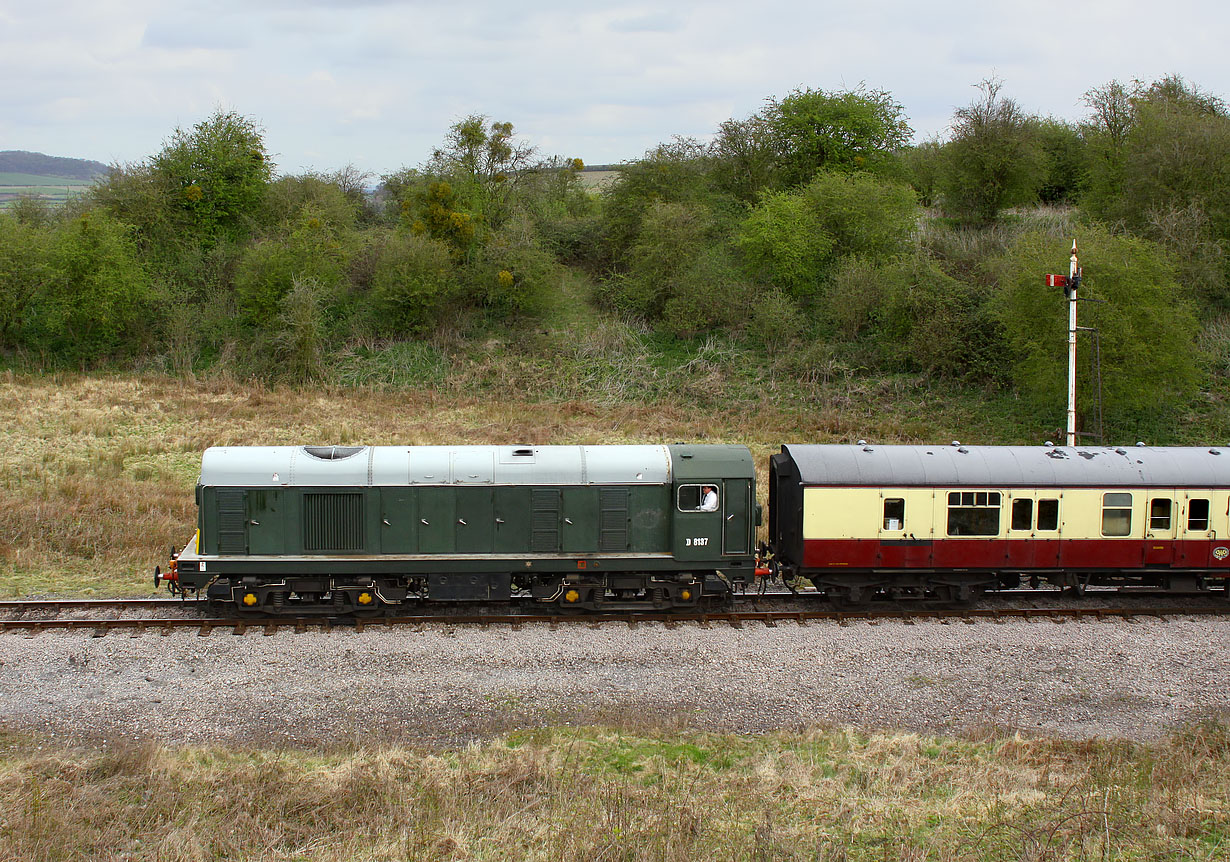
(37, 164)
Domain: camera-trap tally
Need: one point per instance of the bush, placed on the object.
(513, 273)
(783, 243)
(299, 337)
(24, 271)
(792, 239)
(912, 315)
(672, 236)
(413, 281)
(708, 294)
(994, 159)
(96, 300)
(311, 250)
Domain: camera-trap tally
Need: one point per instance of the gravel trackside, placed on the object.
(445, 684)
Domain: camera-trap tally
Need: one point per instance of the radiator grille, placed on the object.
(613, 519)
(544, 529)
(333, 522)
(232, 523)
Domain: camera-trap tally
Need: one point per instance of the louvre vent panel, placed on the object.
(333, 522)
(544, 520)
(613, 519)
(232, 523)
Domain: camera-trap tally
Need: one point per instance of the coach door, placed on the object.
(1195, 526)
(1162, 520)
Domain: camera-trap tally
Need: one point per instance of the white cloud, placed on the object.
(378, 82)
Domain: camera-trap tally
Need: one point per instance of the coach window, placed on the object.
(894, 513)
(1048, 515)
(1159, 514)
(1116, 514)
(1198, 516)
(973, 513)
(1022, 514)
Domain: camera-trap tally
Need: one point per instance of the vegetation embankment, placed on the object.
(810, 240)
(629, 795)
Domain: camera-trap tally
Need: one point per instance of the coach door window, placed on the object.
(1159, 515)
(1116, 514)
(1048, 515)
(973, 513)
(1198, 516)
(1022, 514)
(894, 513)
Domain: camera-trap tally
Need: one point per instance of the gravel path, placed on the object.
(445, 685)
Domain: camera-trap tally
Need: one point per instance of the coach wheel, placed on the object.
(850, 598)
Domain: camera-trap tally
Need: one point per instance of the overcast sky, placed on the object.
(376, 83)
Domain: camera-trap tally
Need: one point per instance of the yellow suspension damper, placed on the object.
(685, 594)
(572, 596)
(250, 599)
(365, 598)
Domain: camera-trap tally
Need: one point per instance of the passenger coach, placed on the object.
(948, 522)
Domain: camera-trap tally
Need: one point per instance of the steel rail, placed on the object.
(736, 619)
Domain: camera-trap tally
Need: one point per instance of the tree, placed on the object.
(993, 160)
(484, 163)
(216, 173)
(854, 130)
(744, 157)
(1063, 149)
(1146, 325)
(1162, 168)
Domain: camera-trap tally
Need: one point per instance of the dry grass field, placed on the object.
(628, 795)
(97, 471)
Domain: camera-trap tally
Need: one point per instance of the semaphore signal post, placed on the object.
(1070, 283)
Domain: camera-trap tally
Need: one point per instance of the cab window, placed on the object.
(1116, 514)
(698, 498)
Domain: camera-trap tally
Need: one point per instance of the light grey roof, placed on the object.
(1007, 466)
(433, 465)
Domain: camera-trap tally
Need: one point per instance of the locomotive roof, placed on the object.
(1006, 466)
(273, 466)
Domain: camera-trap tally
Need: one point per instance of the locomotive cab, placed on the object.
(713, 509)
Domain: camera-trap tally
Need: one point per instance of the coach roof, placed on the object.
(1009, 466)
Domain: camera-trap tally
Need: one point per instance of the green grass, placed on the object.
(11, 179)
(55, 189)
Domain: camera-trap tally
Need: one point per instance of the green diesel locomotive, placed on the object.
(340, 529)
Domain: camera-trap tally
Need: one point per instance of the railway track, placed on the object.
(48, 615)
